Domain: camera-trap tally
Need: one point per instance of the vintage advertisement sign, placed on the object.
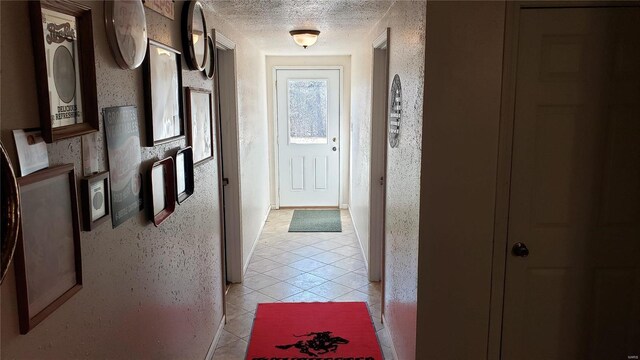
(164, 7)
(63, 67)
(123, 148)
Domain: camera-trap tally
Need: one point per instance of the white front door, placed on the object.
(308, 137)
(575, 188)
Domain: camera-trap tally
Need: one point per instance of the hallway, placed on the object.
(298, 267)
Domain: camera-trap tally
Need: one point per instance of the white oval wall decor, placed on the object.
(395, 111)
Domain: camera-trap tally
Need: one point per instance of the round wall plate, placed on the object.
(395, 111)
(210, 66)
(10, 196)
(194, 35)
(126, 27)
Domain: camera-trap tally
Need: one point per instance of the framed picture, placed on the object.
(47, 262)
(162, 7)
(65, 68)
(125, 156)
(184, 174)
(32, 151)
(200, 120)
(126, 27)
(94, 192)
(163, 95)
(163, 191)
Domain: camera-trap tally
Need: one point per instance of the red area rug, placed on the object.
(310, 331)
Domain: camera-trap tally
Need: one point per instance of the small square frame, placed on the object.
(35, 244)
(187, 156)
(87, 201)
(162, 187)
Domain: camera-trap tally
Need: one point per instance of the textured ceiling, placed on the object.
(267, 23)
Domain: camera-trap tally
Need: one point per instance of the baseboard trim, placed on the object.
(255, 242)
(214, 343)
(388, 334)
(355, 229)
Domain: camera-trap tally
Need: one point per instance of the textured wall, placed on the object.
(148, 292)
(254, 145)
(407, 22)
(361, 140)
(461, 126)
(345, 62)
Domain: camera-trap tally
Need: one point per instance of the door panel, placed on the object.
(575, 187)
(321, 173)
(308, 106)
(297, 173)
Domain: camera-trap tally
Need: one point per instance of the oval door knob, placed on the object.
(334, 148)
(520, 249)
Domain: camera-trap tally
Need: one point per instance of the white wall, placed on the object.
(254, 144)
(293, 61)
(361, 76)
(407, 22)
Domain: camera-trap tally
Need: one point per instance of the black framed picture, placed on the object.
(94, 192)
(65, 68)
(184, 174)
(200, 120)
(162, 199)
(125, 157)
(163, 94)
(48, 260)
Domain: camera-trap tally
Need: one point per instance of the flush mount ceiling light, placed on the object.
(305, 38)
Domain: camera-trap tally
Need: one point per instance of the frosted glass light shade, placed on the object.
(305, 38)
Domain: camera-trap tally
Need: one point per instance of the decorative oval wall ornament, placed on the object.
(210, 66)
(194, 35)
(126, 27)
(395, 111)
(10, 212)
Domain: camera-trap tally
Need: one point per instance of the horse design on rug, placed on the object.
(321, 343)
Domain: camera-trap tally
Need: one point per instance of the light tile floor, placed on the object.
(298, 267)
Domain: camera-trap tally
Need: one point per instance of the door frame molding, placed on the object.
(276, 160)
(505, 150)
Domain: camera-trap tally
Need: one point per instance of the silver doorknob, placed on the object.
(334, 148)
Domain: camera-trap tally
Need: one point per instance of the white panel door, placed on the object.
(308, 132)
(575, 188)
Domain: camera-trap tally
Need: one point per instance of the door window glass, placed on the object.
(307, 111)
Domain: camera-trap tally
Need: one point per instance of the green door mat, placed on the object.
(315, 221)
